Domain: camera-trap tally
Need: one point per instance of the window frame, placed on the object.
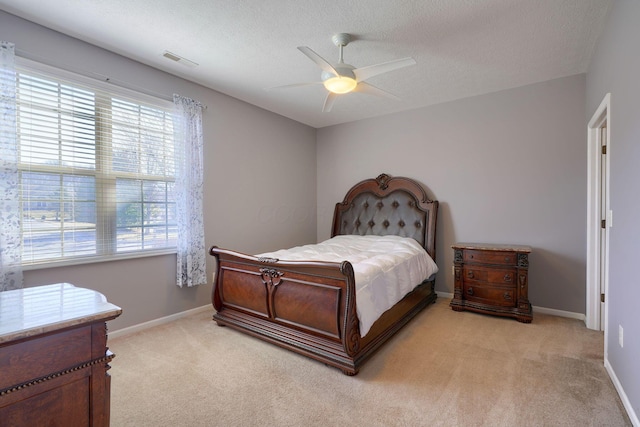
(24, 65)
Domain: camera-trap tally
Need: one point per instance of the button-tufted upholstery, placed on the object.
(388, 205)
(395, 214)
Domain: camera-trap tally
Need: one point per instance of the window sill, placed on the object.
(97, 259)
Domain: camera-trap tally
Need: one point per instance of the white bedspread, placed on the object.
(386, 268)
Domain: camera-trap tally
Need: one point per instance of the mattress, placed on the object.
(386, 268)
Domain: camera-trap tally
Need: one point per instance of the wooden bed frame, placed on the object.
(310, 307)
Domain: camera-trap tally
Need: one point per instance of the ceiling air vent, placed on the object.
(177, 58)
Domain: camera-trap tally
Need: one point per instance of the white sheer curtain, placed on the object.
(189, 181)
(10, 242)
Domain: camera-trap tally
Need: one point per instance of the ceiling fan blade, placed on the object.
(373, 70)
(322, 63)
(293, 85)
(328, 102)
(364, 87)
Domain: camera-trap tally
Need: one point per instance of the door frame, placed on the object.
(593, 318)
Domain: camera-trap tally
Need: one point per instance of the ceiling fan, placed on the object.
(343, 78)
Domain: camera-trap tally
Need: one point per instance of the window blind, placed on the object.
(97, 170)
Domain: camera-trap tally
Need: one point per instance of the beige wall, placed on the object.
(259, 179)
(508, 167)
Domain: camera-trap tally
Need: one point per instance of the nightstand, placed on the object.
(492, 279)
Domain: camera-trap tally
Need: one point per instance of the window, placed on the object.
(97, 170)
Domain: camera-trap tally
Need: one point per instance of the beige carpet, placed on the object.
(444, 368)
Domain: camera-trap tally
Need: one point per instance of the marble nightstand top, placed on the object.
(491, 247)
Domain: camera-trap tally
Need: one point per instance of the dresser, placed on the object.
(54, 357)
(492, 279)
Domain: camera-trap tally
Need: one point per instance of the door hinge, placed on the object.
(601, 297)
(604, 149)
(603, 223)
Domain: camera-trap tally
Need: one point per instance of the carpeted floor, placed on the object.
(444, 368)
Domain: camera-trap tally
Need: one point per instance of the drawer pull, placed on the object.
(470, 291)
(506, 259)
(507, 277)
(507, 296)
(470, 274)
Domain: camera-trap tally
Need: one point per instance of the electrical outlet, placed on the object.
(620, 336)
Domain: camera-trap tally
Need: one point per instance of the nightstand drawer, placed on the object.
(492, 295)
(497, 276)
(490, 257)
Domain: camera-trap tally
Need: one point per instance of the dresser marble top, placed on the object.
(41, 309)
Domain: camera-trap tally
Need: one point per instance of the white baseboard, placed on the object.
(559, 313)
(151, 323)
(444, 295)
(543, 310)
(623, 396)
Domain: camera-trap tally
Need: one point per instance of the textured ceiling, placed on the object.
(462, 47)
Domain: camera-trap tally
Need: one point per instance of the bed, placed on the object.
(310, 306)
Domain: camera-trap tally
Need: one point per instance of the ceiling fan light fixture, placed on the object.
(341, 78)
(340, 84)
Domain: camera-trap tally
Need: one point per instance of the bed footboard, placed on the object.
(307, 307)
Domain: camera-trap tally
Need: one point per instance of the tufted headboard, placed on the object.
(388, 205)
